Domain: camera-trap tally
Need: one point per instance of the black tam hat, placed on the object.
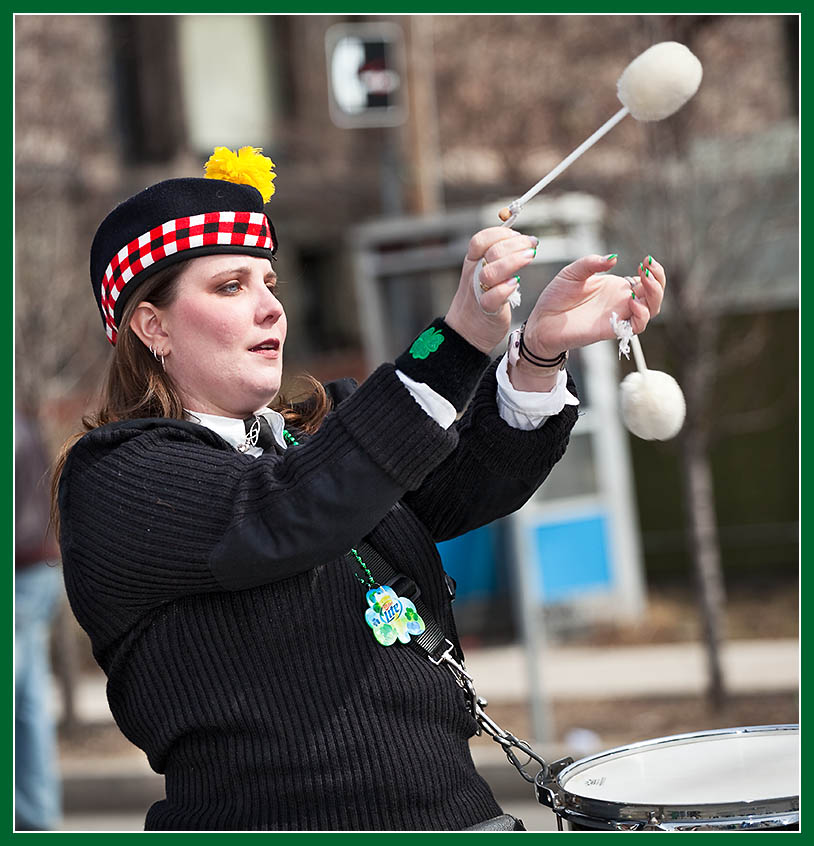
(179, 219)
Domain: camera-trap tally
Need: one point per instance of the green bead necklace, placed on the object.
(392, 617)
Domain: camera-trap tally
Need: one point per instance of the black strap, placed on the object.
(433, 644)
(432, 640)
(505, 822)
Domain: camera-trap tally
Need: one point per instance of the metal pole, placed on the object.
(391, 192)
(529, 604)
(421, 129)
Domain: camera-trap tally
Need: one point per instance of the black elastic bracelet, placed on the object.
(537, 360)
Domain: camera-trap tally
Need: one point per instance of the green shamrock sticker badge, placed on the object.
(427, 342)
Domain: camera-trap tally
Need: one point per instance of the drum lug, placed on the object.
(556, 767)
(653, 822)
(547, 795)
(546, 787)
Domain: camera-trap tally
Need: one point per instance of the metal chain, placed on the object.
(505, 739)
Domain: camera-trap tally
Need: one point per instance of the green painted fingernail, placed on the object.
(632, 295)
(646, 272)
(611, 256)
(650, 259)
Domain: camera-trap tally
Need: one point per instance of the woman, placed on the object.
(211, 546)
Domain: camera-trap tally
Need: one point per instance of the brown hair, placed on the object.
(137, 386)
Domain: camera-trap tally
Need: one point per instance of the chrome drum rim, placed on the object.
(775, 812)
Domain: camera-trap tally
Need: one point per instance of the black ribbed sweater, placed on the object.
(219, 603)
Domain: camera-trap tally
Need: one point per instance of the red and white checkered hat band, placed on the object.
(227, 228)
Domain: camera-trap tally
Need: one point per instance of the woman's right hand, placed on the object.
(506, 252)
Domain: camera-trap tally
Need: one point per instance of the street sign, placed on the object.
(366, 74)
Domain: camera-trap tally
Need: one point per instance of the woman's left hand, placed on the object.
(575, 308)
(497, 254)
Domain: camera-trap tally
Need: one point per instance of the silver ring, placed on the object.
(632, 282)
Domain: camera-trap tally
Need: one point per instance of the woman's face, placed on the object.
(225, 332)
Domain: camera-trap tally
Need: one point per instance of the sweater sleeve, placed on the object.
(158, 512)
(494, 469)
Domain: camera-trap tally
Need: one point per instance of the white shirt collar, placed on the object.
(232, 430)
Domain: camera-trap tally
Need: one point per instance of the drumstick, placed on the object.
(509, 213)
(655, 85)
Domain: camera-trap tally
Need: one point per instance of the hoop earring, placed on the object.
(158, 357)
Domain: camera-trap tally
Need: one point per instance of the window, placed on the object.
(227, 80)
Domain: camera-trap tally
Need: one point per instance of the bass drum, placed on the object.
(738, 779)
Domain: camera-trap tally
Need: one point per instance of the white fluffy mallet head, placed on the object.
(653, 406)
(659, 81)
(653, 86)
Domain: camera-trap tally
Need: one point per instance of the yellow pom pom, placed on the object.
(246, 167)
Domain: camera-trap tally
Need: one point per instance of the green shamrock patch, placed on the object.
(427, 342)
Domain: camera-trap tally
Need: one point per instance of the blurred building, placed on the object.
(106, 105)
